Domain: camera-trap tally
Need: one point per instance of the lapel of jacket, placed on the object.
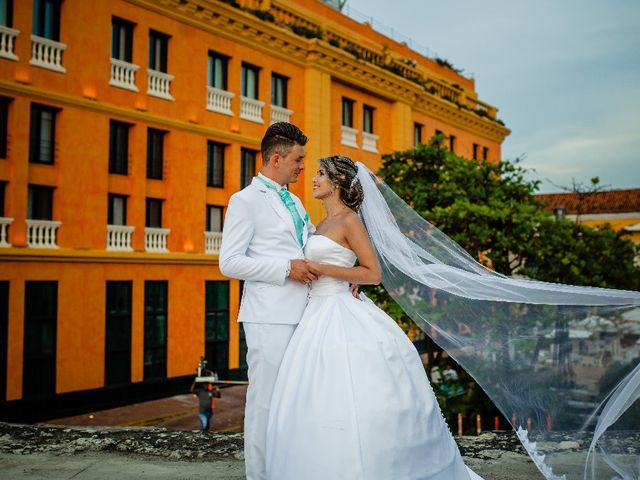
(272, 198)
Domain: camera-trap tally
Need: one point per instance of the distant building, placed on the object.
(619, 208)
(126, 125)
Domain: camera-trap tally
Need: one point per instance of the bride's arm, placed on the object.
(368, 271)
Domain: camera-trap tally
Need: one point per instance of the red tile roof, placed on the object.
(612, 201)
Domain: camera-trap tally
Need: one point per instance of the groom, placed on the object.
(265, 230)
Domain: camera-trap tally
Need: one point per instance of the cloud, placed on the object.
(565, 76)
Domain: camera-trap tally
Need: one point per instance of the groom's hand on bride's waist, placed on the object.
(300, 272)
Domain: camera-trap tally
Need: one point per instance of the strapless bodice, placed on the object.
(322, 249)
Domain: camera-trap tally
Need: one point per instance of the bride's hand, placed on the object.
(314, 267)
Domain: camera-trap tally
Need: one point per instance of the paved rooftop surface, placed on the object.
(159, 439)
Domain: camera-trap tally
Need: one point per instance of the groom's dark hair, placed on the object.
(281, 138)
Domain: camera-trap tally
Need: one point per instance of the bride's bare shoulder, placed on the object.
(352, 220)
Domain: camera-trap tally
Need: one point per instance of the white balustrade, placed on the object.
(219, 100)
(369, 142)
(251, 109)
(159, 84)
(42, 233)
(4, 231)
(155, 239)
(123, 75)
(47, 53)
(7, 42)
(349, 137)
(119, 238)
(212, 242)
(280, 114)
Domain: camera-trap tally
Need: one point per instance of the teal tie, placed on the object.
(285, 196)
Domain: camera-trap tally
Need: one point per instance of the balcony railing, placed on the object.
(119, 238)
(47, 53)
(280, 114)
(123, 75)
(349, 137)
(251, 109)
(7, 42)
(212, 242)
(42, 233)
(155, 239)
(159, 84)
(4, 231)
(219, 100)
(369, 142)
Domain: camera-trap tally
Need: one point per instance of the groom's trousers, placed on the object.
(266, 344)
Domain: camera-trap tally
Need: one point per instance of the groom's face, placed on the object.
(292, 164)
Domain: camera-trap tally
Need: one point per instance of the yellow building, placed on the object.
(618, 208)
(125, 126)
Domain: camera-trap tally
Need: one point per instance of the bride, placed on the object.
(352, 400)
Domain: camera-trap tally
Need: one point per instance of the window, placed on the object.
(118, 147)
(117, 348)
(216, 326)
(6, 19)
(153, 213)
(39, 353)
(485, 153)
(247, 166)
(46, 19)
(475, 151)
(347, 112)
(117, 210)
(217, 71)
(155, 329)
(214, 218)
(250, 81)
(452, 143)
(417, 134)
(158, 46)
(279, 90)
(4, 125)
(155, 153)
(215, 164)
(40, 203)
(121, 39)
(367, 119)
(42, 134)
(438, 132)
(3, 188)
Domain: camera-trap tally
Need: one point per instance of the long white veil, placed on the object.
(561, 362)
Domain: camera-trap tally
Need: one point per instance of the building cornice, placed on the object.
(14, 254)
(13, 88)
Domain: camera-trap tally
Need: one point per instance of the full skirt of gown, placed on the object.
(352, 400)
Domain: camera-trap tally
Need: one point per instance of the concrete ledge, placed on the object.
(54, 452)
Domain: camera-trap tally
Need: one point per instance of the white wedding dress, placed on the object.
(352, 400)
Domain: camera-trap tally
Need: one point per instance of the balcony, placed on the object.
(159, 84)
(7, 42)
(4, 231)
(219, 100)
(369, 142)
(155, 239)
(119, 238)
(349, 137)
(280, 114)
(212, 242)
(47, 54)
(42, 233)
(251, 109)
(123, 75)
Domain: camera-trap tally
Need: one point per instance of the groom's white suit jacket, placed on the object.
(258, 240)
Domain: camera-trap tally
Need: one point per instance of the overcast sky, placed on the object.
(565, 75)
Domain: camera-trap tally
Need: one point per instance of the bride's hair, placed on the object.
(343, 173)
